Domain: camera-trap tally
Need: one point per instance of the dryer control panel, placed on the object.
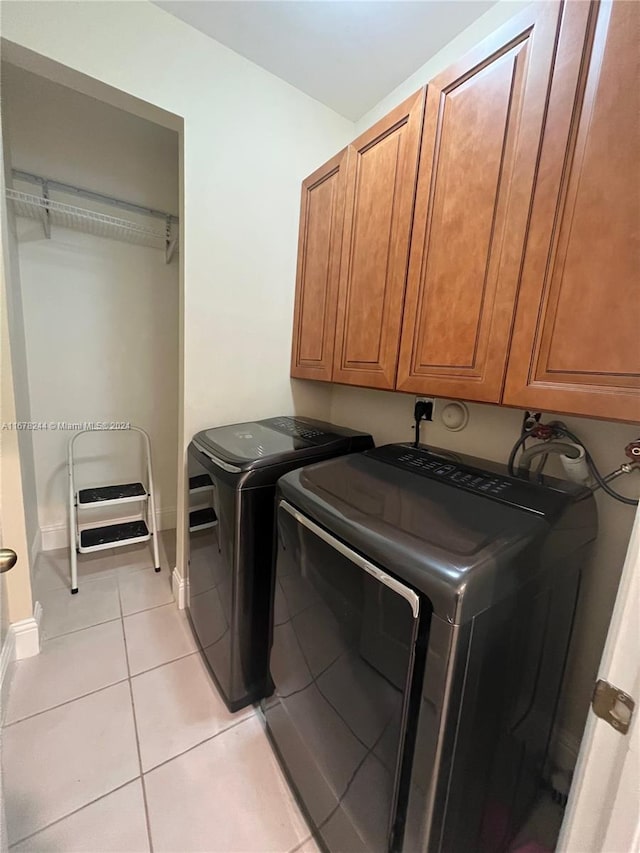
(294, 426)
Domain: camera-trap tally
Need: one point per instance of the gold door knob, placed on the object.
(8, 559)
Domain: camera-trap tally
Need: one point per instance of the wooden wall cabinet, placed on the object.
(381, 174)
(483, 122)
(576, 340)
(506, 267)
(319, 246)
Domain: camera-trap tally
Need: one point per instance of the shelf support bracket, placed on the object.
(170, 242)
(47, 214)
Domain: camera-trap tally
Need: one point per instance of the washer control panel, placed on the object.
(510, 490)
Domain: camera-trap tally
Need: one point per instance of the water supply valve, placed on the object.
(632, 450)
(543, 432)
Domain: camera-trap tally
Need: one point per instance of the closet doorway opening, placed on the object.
(93, 200)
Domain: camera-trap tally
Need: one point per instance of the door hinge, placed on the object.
(613, 705)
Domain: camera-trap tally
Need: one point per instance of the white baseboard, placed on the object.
(56, 536)
(26, 634)
(166, 518)
(22, 641)
(179, 587)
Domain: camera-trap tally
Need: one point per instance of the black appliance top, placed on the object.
(263, 443)
(457, 528)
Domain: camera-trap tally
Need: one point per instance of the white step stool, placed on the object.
(87, 539)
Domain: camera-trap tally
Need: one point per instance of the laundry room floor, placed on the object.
(115, 738)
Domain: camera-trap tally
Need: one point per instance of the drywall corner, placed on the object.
(179, 588)
(481, 28)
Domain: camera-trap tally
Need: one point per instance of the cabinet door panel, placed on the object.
(481, 138)
(576, 345)
(319, 244)
(381, 174)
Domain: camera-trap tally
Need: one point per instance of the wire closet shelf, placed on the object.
(50, 212)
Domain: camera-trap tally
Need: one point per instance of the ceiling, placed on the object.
(348, 54)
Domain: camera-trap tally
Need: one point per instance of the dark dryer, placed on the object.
(423, 610)
(232, 476)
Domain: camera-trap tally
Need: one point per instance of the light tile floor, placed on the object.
(115, 738)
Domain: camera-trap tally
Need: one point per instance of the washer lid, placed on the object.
(459, 546)
(269, 442)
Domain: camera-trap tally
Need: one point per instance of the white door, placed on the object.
(5, 375)
(15, 585)
(603, 812)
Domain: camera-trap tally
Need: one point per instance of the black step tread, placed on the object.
(200, 481)
(92, 536)
(111, 493)
(197, 517)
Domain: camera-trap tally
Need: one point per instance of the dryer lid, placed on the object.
(274, 440)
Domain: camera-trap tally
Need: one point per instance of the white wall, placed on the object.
(80, 140)
(249, 140)
(102, 336)
(100, 316)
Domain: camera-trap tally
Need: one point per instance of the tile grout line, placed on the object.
(66, 702)
(104, 686)
(147, 609)
(74, 812)
(120, 618)
(103, 575)
(135, 729)
(164, 663)
(302, 843)
(142, 782)
(46, 639)
(106, 621)
(128, 679)
(200, 743)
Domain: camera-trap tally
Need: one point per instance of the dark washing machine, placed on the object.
(423, 609)
(232, 475)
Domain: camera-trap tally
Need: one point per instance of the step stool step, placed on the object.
(116, 494)
(199, 483)
(201, 519)
(113, 535)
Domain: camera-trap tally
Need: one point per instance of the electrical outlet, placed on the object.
(431, 400)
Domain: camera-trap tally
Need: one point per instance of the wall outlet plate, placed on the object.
(431, 400)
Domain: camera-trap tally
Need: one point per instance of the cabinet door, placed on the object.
(319, 244)
(576, 343)
(381, 176)
(481, 138)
